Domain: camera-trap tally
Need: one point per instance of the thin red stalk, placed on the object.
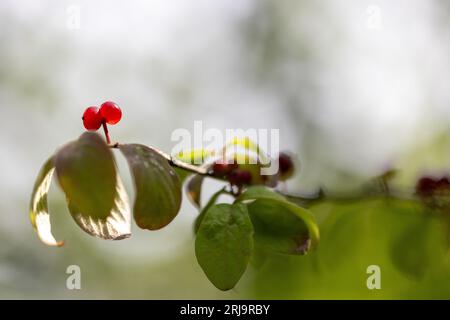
(105, 129)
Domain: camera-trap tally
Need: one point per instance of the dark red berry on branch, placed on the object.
(110, 112)
(245, 177)
(443, 183)
(286, 166)
(221, 169)
(92, 120)
(239, 177)
(426, 186)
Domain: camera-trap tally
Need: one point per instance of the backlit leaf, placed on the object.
(116, 226)
(87, 174)
(194, 189)
(158, 188)
(39, 216)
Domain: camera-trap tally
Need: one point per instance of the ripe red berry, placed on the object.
(443, 183)
(92, 120)
(245, 177)
(110, 112)
(426, 186)
(286, 166)
(219, 169)
(239, 177)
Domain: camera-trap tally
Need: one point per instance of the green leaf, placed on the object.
(39, 216)
(158, 188)
(280, 225)
(94, 192)
(87, 174)
(212, 201)
(224, 244)
(182, 174)
(194, 187)
(194, 190)
(259, 192)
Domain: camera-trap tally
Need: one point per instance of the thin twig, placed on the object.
(303, 200)
(309, 200)
(176, 162)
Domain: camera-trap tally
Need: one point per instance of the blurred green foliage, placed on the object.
(405, 240)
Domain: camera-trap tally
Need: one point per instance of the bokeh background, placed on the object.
(355, 87)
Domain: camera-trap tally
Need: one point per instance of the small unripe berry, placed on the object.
(286, 166)
(110, 112)
(92, 120)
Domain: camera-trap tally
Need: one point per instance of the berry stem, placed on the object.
(105, 129)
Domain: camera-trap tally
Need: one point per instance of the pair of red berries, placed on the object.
(94, 117)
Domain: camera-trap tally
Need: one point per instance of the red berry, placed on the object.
(245, 177)
(221, 169)
(443, 183)
(233, 177)
(92, 120)
(110, 112)
(426, 186)
(286, 166)
(232, 166)
(240, 177)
